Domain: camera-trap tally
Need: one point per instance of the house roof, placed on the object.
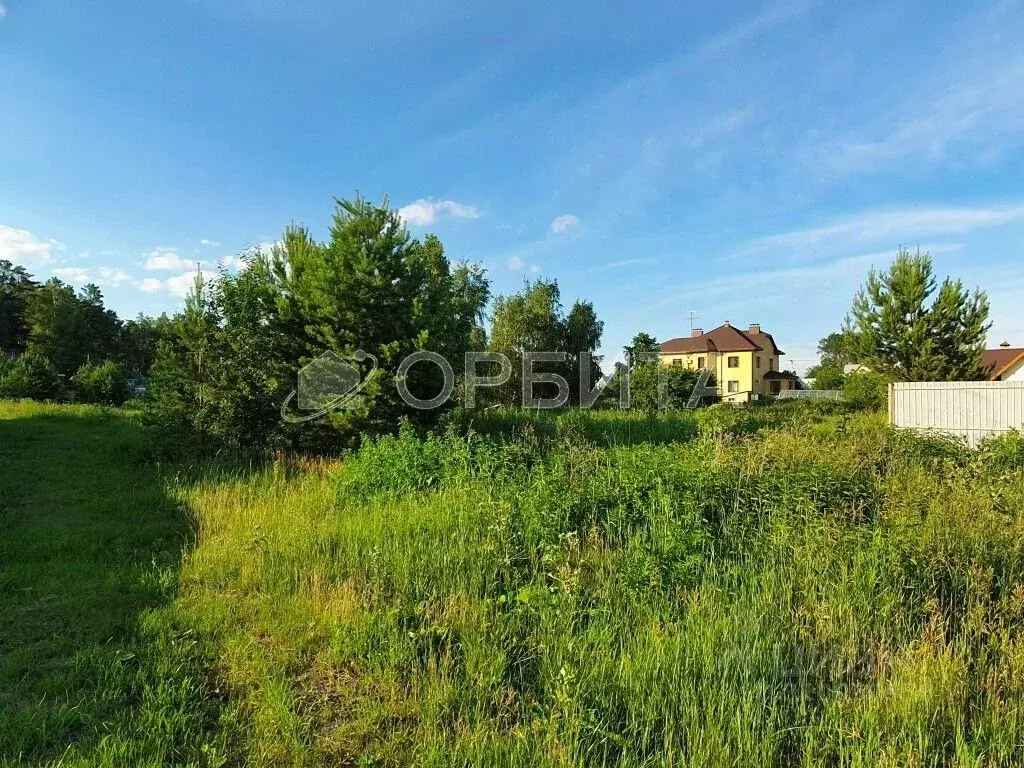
(687, 345)
(781, 375)
(996, 361)
(765, 341)
(724, 338)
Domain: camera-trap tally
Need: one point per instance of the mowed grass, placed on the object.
(90, 545)
(773, 587)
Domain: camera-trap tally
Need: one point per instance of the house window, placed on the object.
(677, 363)
(700, 362)
(734, 361)
(776, 386)
(732, 386)
(758, 361)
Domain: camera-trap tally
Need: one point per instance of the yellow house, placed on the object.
(744, 363)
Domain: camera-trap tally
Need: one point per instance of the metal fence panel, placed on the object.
(972, 410)
(810, 394)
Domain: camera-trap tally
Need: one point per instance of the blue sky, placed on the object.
(744, 161)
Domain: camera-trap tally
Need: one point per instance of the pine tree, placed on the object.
(898, 333)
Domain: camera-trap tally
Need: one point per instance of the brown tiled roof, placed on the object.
(995, 361)
(688, 344)
(765, 341)
(769, 375)
(729, 339)
(724, 338)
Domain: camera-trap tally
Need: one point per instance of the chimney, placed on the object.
(754, 328)
(697, 332)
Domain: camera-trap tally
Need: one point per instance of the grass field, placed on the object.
(769, 587)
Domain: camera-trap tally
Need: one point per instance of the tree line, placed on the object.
(55, 341)
(218, 371)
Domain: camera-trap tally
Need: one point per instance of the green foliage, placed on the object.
(104, 383)
(70, 328)
(15, 286)
(234, 354)
(900, 334)
(827, 376)
(653, 386)
(643, 349)
(866, 390)
(140, 339)
(30, 376)
(533, 321)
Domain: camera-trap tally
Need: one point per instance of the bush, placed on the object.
(32, 376)
(103, 383)
(867, 390)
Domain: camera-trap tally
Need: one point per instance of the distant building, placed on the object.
(1005, 363)
(745, 363)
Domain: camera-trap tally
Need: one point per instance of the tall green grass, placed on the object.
(790, 587)
(831, 593)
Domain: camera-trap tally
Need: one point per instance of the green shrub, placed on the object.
(32, 376)
(867, 390)
(103, 383)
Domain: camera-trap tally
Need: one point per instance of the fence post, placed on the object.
(892, 403)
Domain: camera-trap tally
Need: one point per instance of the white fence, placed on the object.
(810, 394)
(973, 410)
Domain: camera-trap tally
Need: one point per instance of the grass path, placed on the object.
(89, 543)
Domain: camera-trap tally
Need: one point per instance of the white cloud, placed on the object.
(895, 227)
(425, 211)
(515, 263)
(565, 223)
(210, 243)
(237, 261)
(21, 246)
(3, 11)
(113, 276)
(624, 263)
(180, 285)
(72, 274)
(535, 268)
(166, 259)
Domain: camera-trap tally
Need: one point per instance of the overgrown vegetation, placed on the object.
(772, 586)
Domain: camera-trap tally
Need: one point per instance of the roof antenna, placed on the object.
(693, 316)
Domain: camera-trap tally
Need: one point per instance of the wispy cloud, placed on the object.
(742, 33)
(565, 224)
(426, 211)
(624, 263)
(515, 264)
(893, 226)
(209, 243)
(3, 11)
(23, 247)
